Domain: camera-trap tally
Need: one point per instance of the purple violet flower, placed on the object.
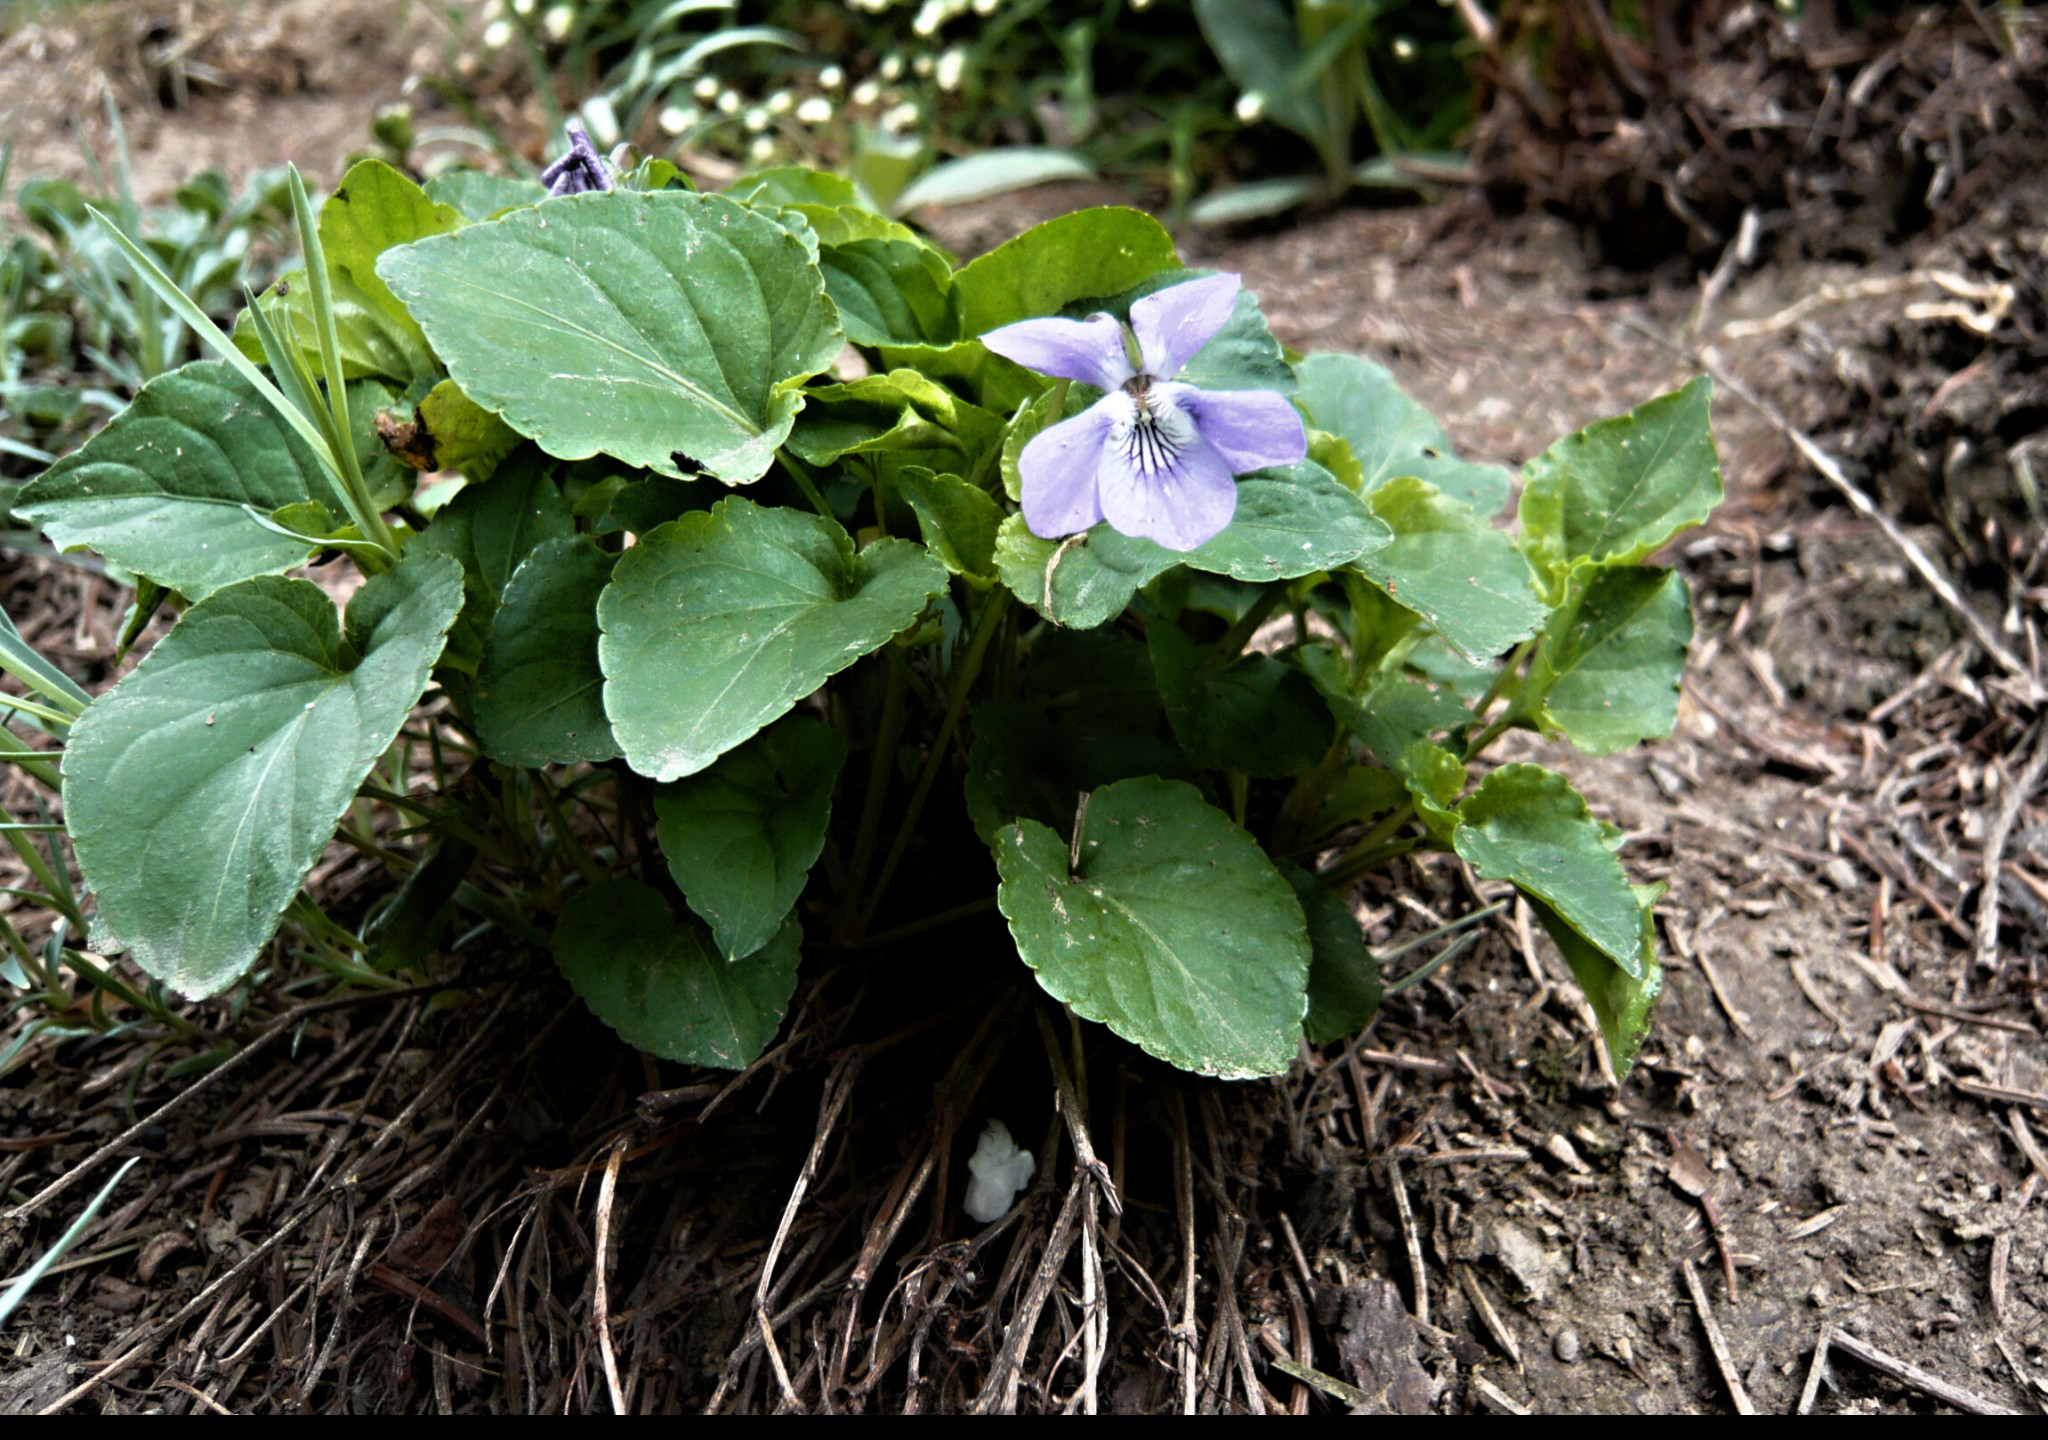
(581, 170)
(1155, 458)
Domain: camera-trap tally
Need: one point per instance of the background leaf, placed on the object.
(1344, 983)
(1177, 932)
(991, 173)
(655, 978)
(1253, 715)
(740, 838)
(716, 623)
(539, 692)
(203, 787)
(1618, 489)
(640, 325)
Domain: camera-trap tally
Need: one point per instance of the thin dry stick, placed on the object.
(1399, 1185)
(1188, 1341)
(1490, 1317)
(1716, 1341)
(1913, 1375)
(1831, 470)
(1815, 1371)
(1994, 849)
(999, 1395)
(348, 1295)
(606, 1194)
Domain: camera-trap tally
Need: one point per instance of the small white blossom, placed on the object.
(989, 7)
(1404, 48)
(1250, 106)
(929, 18)
(781, 103)
(522, 7)
(557, 22)
(831, 77)
(706, 88)
(762, 150)
(899, 118)
(756, 120)
(729, 102)
(675, 119)
(815, 111)
(497, 34)
(866, 93)
(952, 65)
(921, 67)
(892, 68)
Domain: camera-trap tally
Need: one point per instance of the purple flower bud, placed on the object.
(581, 170)
(1153, 457)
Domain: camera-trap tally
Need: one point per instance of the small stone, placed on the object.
(1566, 1347)
(1841, 874)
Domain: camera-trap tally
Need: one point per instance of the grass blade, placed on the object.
(18, 1291)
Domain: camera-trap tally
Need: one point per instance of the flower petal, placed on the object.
(1091, 350)
(1251, 428)
(1181, 505)
(1058, 468)
(1172, 324)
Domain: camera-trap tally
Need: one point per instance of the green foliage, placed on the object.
(657, 979)
(1389, 434)
(539, 692)
(202, 790)
(741, 837)
(1174, 929)
(717, 623)
(1464, 577)
(1607, 675)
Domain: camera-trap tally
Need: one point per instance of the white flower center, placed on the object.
(1150, 430)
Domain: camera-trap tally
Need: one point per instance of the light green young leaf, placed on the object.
(1607, 673)
(797, 186)
(959, 522)
(202, 788)
(900, 411)
(1621, 999)
(539, 693)
(970, 367)
(1528, 826)
(1618, 489)
(478, 195)
(1098, 252)
(642, 326)
(160, 491)
(1391, 435)
(717, 623)
(461, 434)
(1176, 932)
(741, 837)
(1253, 715)
(656, 978)
(891, 292)
(1459, 573)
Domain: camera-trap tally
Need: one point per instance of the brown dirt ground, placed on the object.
(1813, 854)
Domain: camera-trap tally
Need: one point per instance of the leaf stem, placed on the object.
(956, 704)
(798, 473)
(1238, 635)
(888, 735)
(930, 922)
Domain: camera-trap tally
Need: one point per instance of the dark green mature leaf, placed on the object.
(1077, 584)
(1260, 50)
(1176, 932)
(716, 623)
(1608, 671)
(372, 210)
(1619, 489)
(539, 693)
(1528, 826)
(740, 838)
(1024, 765)
(959, 522)
(1344, 985)
(161, 490)
(891, 414)
(1390, 713)
(1621, 1000)
(490, 528)
(1455, 570)
(656, 978)
(644, 326)
(1097, 252)
(1390, 434)
(1253, 715)
(202, 788)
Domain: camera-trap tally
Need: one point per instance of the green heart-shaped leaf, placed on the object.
(203, 787)
(655, 978)
(1528, 826)
(1098, 252)
(1455, 570)
(489, 529)
(539, 693)
(1389, 434)
(642, 326)
(1344, 985)
(1254, 715)
(1617, 490)
(1176, 931)
(1608, 671)
(716, 623)
(161, 490)
(1621, 999)
(741, 837)
(959, 522)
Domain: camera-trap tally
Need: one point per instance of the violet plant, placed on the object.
(691, 653)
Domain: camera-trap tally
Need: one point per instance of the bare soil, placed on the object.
(1458, 1212)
